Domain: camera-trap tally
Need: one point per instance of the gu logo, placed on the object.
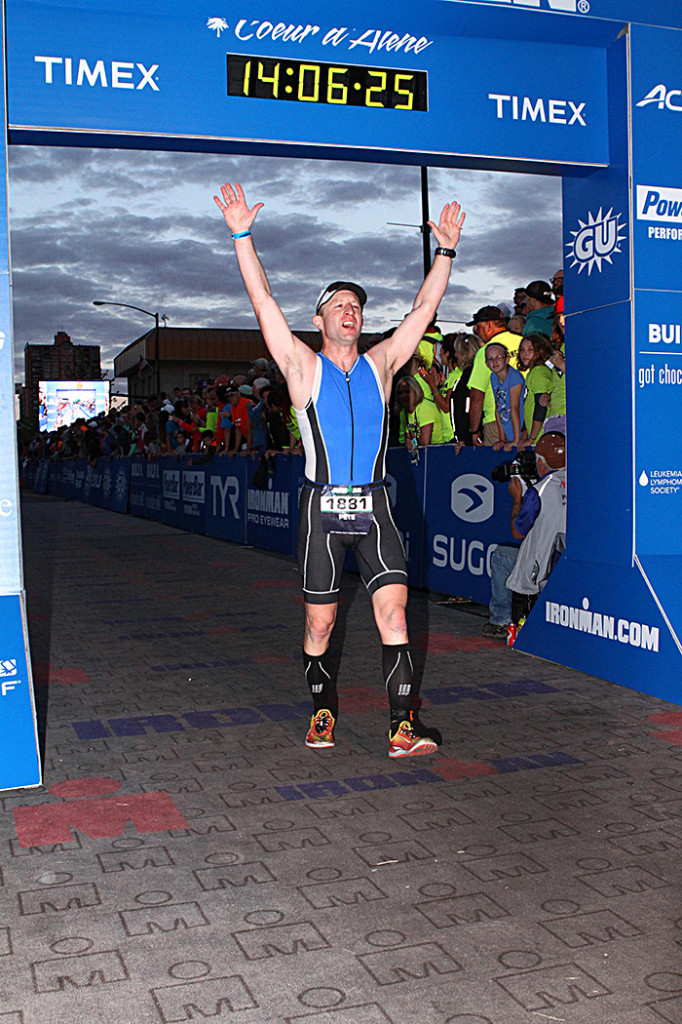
(596, 239)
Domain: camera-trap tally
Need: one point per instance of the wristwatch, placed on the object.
(442, 251)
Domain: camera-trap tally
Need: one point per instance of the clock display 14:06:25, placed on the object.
(349, 85)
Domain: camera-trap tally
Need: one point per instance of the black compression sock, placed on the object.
(322, 686)
(398, 676)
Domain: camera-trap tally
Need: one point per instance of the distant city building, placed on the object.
(188, 355)
(60, 361)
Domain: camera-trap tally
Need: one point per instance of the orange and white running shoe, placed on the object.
(404, 742)
(321, 731)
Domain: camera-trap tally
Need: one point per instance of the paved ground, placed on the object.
(190, 859)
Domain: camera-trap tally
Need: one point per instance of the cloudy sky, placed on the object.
(142, 228)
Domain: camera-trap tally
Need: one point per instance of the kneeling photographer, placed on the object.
(538, 520)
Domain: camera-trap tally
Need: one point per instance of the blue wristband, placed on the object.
(242, 234)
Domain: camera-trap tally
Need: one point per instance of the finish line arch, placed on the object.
(579, 88)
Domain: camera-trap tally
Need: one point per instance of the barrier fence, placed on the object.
(450, 514)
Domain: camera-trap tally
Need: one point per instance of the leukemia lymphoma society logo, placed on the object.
(472, 498)
(596, 239)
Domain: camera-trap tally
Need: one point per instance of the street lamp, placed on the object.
(127, 305)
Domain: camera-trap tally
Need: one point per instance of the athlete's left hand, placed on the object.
(449, 227)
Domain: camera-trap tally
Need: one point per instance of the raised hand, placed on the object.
(449, 227)
(234, 209)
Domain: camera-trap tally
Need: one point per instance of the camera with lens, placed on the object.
(523, 465)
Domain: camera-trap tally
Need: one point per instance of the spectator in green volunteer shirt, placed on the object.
(535, 355)
(418, 418)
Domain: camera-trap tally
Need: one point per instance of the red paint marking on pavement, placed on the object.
(100, 818)
(92, 785)
(445, 643)
(363, 698)
(669, 736)
(453, 768)
(671, 718)
(666, 718)
(222, 629)
(45, 675)
(266, 659)
(369, 698)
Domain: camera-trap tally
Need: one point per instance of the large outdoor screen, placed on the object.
(62, 402)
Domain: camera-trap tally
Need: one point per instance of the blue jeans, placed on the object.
(501, 564)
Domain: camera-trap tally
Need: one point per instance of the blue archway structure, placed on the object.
(587, 89)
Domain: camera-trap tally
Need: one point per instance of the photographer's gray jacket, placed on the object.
(534, 562)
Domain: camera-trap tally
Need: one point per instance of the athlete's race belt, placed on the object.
(346, 509)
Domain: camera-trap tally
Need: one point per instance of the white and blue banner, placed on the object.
(11, 576)
(466, 515)
(226, 501)
(382, 80)
(19, 756)
(272, 511)
(614, 599)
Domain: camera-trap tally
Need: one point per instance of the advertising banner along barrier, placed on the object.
(449, 512)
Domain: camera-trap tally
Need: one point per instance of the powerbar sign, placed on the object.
(636, 634)
(661, 204)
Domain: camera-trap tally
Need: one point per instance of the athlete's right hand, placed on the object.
(237, 214)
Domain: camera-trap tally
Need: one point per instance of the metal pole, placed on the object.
(157, 355)
(426, 230)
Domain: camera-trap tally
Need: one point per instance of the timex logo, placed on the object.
(525, 108)
(115, 74)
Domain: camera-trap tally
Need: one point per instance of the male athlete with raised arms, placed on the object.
(341, 401)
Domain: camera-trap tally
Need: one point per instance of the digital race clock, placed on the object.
(347, 85)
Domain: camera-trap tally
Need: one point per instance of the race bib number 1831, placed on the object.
(346, 509)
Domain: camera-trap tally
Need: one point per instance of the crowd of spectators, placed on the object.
(496, 385)
(250, 414)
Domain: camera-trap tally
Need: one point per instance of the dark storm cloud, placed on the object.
(521, 237)
(77, 234)
(523, 254)
(117, 173)
(193, 279)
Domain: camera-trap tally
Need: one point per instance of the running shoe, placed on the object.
(405, 742)
(321, 731)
